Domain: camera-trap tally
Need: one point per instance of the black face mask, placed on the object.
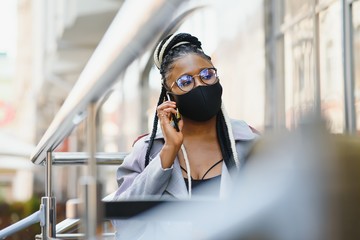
(200, 104)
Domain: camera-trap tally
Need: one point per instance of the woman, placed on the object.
(202, 146)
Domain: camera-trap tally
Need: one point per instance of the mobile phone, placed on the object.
(174, 118)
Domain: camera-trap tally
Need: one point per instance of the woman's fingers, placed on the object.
(170, 110)
(165, 109)
(167, 104)
(165, 112)
(180, 124)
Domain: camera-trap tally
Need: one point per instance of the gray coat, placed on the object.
(136, 181)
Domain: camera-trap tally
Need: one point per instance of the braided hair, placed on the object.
(166, 53)
(174, 47)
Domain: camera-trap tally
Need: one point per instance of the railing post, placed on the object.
(348, 63)
(91, 210)
(48, 203)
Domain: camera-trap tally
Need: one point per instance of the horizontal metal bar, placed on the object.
(139, 28)
(102, 158)
(67, 225)
(81, 236)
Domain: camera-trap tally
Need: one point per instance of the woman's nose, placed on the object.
(198, 81)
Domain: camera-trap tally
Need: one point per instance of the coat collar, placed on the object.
(241, 131)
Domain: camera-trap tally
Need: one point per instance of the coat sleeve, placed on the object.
(136, 181)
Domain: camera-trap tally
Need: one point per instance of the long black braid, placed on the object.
(153, 133)
(188, 44)
(224, 140)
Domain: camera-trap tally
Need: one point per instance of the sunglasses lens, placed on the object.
(208, 75)
(185, 82)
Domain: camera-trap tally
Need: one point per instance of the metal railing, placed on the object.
(113, 55)
(111, 58)
(73, 158)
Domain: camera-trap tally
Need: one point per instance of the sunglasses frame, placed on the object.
(193, 76)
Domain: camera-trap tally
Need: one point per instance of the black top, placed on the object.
(213, 190)
(209, 186)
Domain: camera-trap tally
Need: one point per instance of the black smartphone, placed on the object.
(174, 118)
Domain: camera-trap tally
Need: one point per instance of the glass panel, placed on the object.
(331, 67)
(356, 22)
(238, 46)
(299, 71)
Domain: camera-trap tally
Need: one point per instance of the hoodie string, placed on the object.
(187, 164)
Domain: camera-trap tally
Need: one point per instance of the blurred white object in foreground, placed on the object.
(299, 185)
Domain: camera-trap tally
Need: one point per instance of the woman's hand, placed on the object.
(173, 138)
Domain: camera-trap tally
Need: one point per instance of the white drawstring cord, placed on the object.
(187, 168)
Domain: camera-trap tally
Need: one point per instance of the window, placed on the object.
(299, 69)
(331, 67)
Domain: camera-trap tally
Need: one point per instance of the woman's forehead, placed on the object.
(189, 64)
